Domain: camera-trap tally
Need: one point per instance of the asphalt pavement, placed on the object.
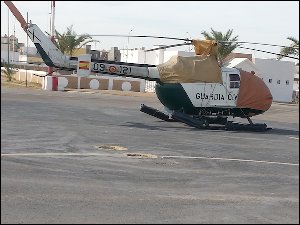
(93, 157)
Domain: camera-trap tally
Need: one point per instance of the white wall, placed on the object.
(296, 82)
(170, 53)
(31, 50)
(136, 56)
(13, 56)
(273, 71)
(296, 78)
(154, 57)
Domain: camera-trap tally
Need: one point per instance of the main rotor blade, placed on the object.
(168, 46)
(256, 43)
(179, 39)
(17, 14)
(133, 36)
(270, 52)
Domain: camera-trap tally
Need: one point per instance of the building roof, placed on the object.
(240, 63)
(233, 55)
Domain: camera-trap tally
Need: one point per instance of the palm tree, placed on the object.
(69, 41)
(293, 49)
(8, 71)
(225, 47)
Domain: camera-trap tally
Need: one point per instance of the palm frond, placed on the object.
(226, 42)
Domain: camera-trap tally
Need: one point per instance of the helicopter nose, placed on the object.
(253, 93)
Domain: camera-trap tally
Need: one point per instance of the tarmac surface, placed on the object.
(93, 157)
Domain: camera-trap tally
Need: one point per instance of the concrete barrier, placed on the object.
(95, 82)
(31, 76)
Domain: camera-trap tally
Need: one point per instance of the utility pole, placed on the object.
(128, 45)
(26, 53)
(8, 47)
(50, 69)
(13, 48)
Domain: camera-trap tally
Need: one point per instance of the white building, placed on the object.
(296, 79)
(153, 57)
(277, 75)
(13, 56)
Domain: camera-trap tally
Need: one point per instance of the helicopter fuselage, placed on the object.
(205, 98)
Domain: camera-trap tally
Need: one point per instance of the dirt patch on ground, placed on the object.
(141, 155)
(15, 83)
(111, 147)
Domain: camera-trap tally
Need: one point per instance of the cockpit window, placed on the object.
(234, 81)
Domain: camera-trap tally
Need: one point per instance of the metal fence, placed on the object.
(150, 86)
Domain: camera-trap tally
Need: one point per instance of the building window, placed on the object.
(278, 81)
(270, 80)
(287, 82)
(234, 80)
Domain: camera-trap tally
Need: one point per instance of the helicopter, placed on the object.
(194, 90)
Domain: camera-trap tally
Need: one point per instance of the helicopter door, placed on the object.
(234, 81)
(233, 86)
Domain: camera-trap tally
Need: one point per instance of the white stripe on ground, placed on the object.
(54, 154)
(227, 159)
(165, 156)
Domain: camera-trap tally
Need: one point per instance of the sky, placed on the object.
(268, 22)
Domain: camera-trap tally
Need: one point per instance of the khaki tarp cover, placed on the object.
(203, 67)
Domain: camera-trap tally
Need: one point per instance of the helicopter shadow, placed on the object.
(158, 127)
(276, 131)
(279, 131)
(142, 126)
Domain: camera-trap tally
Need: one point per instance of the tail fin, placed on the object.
(51, 55)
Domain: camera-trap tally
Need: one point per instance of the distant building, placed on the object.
(139, 55)
(296, 85)
(114, 54)
(14, 49)
(277, 75)
(104, 55)
(14, 44)
(296, 79)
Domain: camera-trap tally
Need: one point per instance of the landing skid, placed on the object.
(203, 122)
(246, 127)
(156, 113)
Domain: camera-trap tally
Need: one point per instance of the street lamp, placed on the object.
(128, 44)
(188, 34)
